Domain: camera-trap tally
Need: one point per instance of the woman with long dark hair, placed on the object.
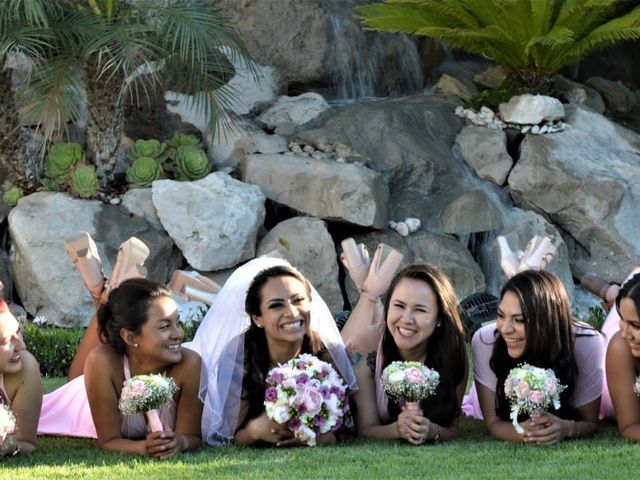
(535, 326)
(422, 324)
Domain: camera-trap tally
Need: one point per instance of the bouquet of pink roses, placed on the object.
(531, 390)
(7, 423)
(411, 381)
(308, 396)
(147, 394)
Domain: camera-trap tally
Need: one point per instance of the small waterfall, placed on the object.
(369, 64)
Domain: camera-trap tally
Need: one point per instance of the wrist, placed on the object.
(434, 432)
(573, 430)
(369, 297)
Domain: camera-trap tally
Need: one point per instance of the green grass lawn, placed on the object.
(473, 455)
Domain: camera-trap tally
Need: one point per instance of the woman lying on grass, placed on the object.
(266, 314)
(141, 334)
(623, 361)
(535, 326)
(20, 385)
(422, 324)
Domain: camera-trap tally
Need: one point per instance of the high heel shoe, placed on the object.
(538, 254)
(84, 254)
(355, 258)
(194, 286)
(129, 263)
(384, 265)
(509, 260)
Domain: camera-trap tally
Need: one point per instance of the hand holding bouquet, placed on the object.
(7, 423)
(147, 394)
(411, 381)
(531, 390)
(308, 396)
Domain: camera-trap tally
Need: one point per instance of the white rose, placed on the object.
(281, 414)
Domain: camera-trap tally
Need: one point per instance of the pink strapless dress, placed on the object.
(65, 412)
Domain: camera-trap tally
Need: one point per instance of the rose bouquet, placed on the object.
(636, 386)
(411, 381)
(147, 394)
(531, 390)
(308, 396)
(7, 423)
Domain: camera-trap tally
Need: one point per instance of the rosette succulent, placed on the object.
(148, 148)
(83, 181)
(61, 157)
(143, 172)
(191, 163)
(12, 195)
(181, 139)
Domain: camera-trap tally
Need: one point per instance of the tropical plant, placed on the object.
(531, 39)
(135, 47)
(12, 195)
(191, 163)
(147, 148)
(143, 172)
(83, 181)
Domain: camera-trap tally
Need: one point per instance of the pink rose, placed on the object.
(522, 389)
(414, 375)
(536, 397)
(552, 386)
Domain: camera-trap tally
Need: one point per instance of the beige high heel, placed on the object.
(194, 286)
(84, 254)
(355, 258)
(384, 266)
(131, 257)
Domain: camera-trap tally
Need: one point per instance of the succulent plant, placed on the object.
(143, 171)
(191, 163)
(12, 195)
(148, 148)
(83, 181)
(61, 157)
(53, 184)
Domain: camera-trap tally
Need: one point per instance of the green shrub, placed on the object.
(12, 195)
(493, 98)
(53, 347)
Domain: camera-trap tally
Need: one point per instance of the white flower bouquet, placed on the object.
(411, 381)
(147, 394)
(308, 396)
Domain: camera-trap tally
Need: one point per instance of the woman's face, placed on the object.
(11, 344)
(284, 309)
(412, 317)
(511, 324)
(630, 325)
(161, 335)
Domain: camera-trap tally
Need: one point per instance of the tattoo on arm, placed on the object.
(354, 356)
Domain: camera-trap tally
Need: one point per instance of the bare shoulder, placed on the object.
(188, 367)
(618, 346)
(103, 359)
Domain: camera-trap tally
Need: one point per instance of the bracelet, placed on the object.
(437, 436)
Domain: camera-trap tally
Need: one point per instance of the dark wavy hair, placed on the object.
(127, 307)
(446, 352)
(256, 350)
(630, 290)
(550, 339)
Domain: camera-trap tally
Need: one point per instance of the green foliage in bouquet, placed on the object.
(83, 181)
(12, 195)
(61, 157)
(143, 172)
(191, 163)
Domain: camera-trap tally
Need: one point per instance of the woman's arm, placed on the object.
(189, 407)
(621, 375)
(363, 322)
(497, 428)
(25, 390)
(259, 429)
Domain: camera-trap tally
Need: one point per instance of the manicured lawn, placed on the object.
(473, 455)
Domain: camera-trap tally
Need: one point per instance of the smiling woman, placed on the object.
(535, 326)
(20, 385)
(141, 334)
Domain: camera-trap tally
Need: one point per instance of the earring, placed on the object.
(259, 325)
(135, 345)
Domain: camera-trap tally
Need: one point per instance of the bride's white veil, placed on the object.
(220, 342)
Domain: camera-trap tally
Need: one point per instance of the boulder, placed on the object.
(214, 221)
(305, 242)
(139, 203)
(251, 89)
(485, 150)
(574, 92)
(45, 277)
(584, 180)
(294, 110)
(492, 77)
(473, 211)
(530, 109)
(322, 188)
(617, 97)
(449, 85)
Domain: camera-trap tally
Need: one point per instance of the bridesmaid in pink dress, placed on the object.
(20, 385)
(140, 329)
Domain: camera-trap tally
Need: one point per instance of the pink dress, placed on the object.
(589, 354)
(65, 412)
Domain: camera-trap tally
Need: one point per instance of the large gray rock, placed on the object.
(214, 221)
(485, 150)
(574, 92)
(305, 242)
(295, 111)
(252, 89)
(585, 181)
(139, 202)
(449, 85)
(473, 211)
(322, 188)
(617, 97)
(530, 109)
(45, 277)
(442, 251)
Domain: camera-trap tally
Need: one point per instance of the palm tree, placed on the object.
(532, 39)
(133, 48)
